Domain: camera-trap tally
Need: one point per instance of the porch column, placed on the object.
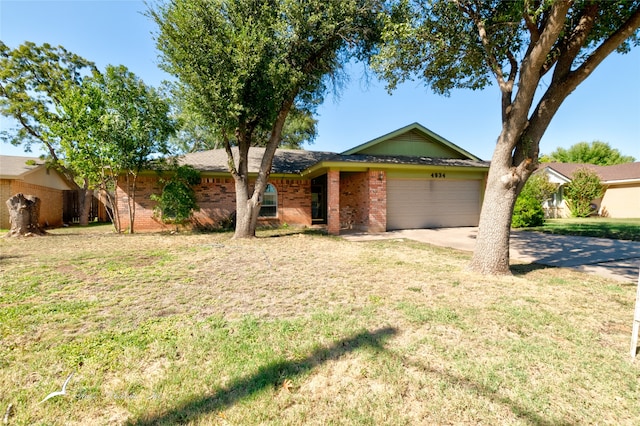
(377, 201)
(333, 202)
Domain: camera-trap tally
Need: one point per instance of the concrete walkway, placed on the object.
(614, 259)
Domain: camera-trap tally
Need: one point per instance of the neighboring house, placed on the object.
(410, 178)
(30, 176)
(621, 182)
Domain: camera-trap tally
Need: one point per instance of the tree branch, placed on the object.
(532, 64)
(492, 61)
(605, 49)
(230, 161)
(570, 46)
(534, 32)
(563, 84)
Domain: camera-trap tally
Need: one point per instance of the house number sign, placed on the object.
(438, 175)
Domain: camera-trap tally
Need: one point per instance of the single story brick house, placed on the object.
(409, 178)
(30, 176)
(621, 182)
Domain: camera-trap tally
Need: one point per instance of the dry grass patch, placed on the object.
(303, 329)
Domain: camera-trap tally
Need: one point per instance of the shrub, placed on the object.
(528, 209)
(527, 212)
(583, 189)
(177, 202)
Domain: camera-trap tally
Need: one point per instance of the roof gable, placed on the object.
(14, 167)
(31, 170)
(413, 140)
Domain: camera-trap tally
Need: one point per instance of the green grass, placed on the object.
(302, 329)
(618, 229)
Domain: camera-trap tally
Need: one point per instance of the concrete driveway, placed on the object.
(615, 259)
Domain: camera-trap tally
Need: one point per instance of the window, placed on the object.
(269, 202)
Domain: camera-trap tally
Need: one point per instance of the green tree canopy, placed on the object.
(33, 81)
(596, 152)
(89, 123)
(246, 64)
(196, 134)
(109, 124)
(536, 52)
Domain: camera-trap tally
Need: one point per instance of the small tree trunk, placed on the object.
(24, 215)
(85, 197)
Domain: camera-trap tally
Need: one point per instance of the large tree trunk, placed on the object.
(248, 202)
(24, 215)
(514, 159)
(247, 210)
(491, 254)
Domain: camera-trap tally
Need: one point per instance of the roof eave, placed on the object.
(355, 166)
(620, 181)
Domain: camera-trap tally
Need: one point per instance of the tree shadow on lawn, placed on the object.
(268, 375)
(521, 269)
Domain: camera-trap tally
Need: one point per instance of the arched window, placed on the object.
(269, 202)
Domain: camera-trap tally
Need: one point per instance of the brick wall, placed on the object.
(333, 202)
(5, 194)
(363, 201)
(294, 201)
(144, 219)
(354, 200)
(51, 206)
(377, 214)
(216, 199)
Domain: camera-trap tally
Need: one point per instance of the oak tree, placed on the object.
(247, 64)
(514, 45)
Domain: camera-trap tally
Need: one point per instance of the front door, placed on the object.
(319, 200)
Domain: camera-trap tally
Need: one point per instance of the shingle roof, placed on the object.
(626, 171)
(419, 161)
(295, 161)
(12, 167)
(287, 161)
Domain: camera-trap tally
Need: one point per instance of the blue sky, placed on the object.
(605, 107)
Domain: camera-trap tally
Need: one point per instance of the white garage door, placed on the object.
(420, 203)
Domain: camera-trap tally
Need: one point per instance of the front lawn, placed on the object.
(302, 329)
(617, 229)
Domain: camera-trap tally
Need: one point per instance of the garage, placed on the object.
(432, 203)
